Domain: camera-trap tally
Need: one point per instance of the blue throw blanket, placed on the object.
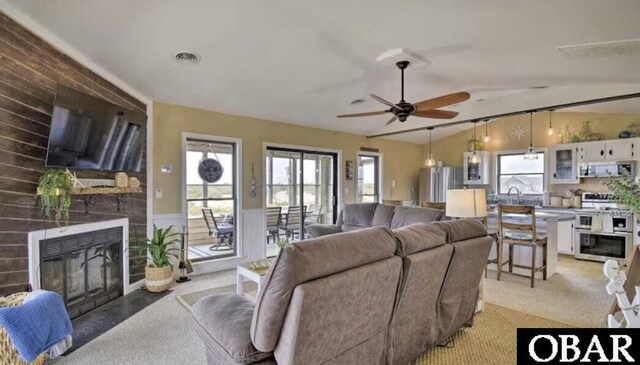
(39, 323)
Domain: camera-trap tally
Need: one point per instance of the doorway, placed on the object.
(210, 196)
(301, 188)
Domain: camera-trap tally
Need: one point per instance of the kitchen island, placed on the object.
(556, 225)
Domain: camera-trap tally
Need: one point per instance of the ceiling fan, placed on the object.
(424, 109)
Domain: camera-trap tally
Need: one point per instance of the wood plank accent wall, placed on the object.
(30, 69)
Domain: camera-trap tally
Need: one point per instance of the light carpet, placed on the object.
(574, 295)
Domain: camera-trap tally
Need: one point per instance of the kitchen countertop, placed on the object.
(540, 215)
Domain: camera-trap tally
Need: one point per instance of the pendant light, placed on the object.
(550, 130)
(430, 162)
(475, 158)
(486, 131)
(531, 153)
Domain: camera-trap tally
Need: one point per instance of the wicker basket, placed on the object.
(158, 279)
(8, 354)
(121, 180)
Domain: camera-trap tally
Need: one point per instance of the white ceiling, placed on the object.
(303, 61)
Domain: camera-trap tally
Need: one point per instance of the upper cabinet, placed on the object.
(477, 173)
(563, 164)
(611, 150)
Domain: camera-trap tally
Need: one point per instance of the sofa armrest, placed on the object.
(223, 322)
(318, 230)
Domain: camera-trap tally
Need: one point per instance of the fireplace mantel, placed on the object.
(36, 236)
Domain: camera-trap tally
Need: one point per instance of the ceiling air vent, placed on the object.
(600, 50)
(187, 58)
(358, 101)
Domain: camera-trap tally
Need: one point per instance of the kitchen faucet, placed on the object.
(509, 195)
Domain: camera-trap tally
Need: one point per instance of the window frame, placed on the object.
(496, 167)
(379, 176)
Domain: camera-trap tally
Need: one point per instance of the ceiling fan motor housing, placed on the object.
(403, 110)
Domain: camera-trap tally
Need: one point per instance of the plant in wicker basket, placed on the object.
(160, 249)
(54, 188)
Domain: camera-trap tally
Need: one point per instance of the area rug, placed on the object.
(189, 299)
(491, 340)
(574, 295)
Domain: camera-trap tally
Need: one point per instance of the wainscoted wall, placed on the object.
(30, 69)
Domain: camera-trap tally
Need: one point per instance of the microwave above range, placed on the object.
(606, 169)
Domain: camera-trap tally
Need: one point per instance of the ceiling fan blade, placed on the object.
(392, 120)
(441, 101)
(436, 114)
(385, 102)
(365, 114)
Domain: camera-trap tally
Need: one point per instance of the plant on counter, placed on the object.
(54, 188)
(282, 242)
(625, 189)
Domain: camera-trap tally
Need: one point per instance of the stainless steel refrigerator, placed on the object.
(435, 181)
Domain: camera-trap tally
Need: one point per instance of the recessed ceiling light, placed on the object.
(187, 58)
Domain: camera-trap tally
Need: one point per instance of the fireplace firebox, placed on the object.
(86, 269)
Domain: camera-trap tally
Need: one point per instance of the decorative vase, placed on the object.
(122, 180)
(158, 279)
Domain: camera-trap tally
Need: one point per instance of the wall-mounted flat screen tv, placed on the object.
(91, 133)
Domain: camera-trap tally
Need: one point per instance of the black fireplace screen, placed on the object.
(85, 269)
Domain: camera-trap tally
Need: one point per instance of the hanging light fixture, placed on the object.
(550, 130)
(486, 131)
(429, 162)
(475, 158)
(531, 153)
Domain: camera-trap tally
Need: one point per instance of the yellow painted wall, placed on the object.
(450, 149)
(402, 160)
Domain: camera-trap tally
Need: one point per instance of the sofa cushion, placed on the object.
(419, 237)
(383, 215)
(318, 230)
(223, 322)
(462, 229)
(306, 260)
(357, 216)
(404, 216)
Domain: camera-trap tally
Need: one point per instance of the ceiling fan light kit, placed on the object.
(424, 109)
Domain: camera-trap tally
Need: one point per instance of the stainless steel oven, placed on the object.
(599, 246)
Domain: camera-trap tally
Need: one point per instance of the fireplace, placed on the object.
(86, 264)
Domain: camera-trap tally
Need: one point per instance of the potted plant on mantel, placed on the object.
(158, 273)
(54, 188)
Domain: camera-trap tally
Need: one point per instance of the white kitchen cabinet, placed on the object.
(476, 173)
(610, 150)
(563, 164)
(592, 151)
(565, 237)
(619, 150)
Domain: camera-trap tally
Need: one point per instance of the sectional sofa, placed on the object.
(371, 296)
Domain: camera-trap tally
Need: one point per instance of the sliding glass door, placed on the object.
(211, 198)
(301, 189)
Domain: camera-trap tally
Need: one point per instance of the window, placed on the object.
(525, 175)
(368, 187)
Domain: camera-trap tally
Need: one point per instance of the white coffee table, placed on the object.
(254, 271)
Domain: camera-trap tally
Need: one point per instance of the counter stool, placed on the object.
(521, 234)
